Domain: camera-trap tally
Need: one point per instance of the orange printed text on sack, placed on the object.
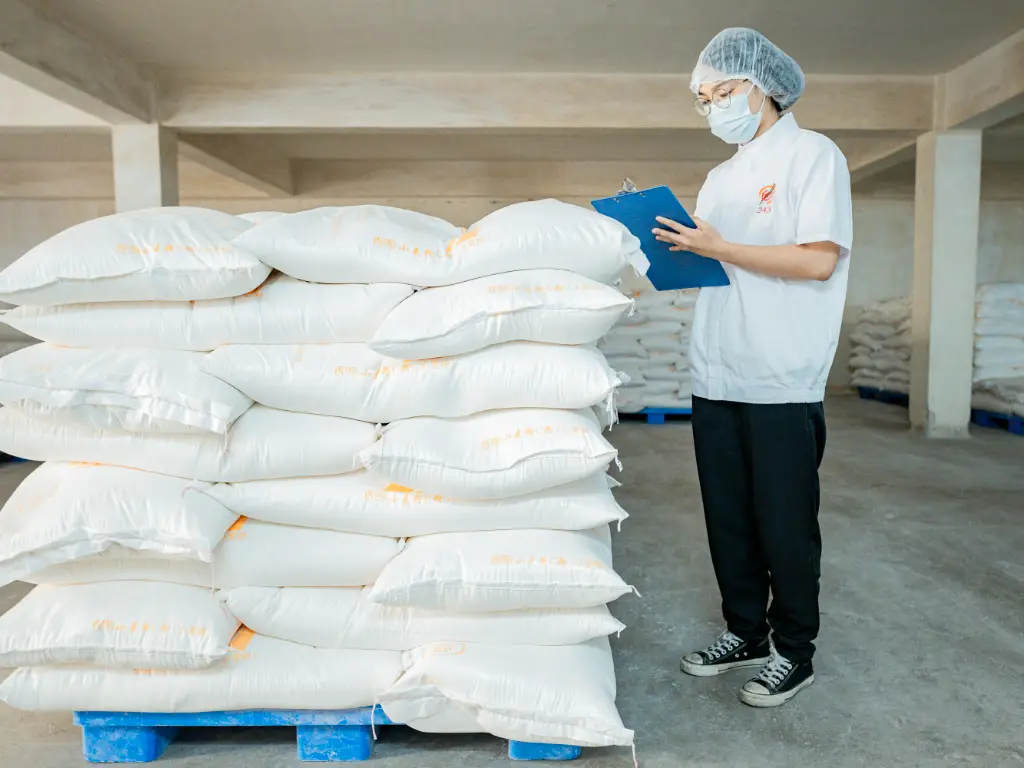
(405, 366)
(530, 432)
(447, 649)
(235, 532)
(146, 250)
(399, 494)
(557, 288)
(107, 625)
(546, 561)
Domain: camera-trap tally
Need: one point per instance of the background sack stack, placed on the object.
(881, 347)
(652, 347)
(475, 520)
(880, 357)
(999, 349)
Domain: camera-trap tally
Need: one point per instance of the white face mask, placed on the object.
(735, 124)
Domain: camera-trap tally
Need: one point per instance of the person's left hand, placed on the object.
(704, 240)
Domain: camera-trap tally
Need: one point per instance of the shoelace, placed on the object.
(775, 671)
(726, 643)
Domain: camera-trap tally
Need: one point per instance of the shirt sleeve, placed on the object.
(824, 208)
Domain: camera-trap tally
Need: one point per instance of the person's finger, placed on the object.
(670, 239)
(671, 224)
(660, 233)
(701, 224)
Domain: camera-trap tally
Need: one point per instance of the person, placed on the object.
(778, 215)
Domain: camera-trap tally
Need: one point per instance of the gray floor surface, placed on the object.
(921, 658)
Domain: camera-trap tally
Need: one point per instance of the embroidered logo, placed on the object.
(766, 196)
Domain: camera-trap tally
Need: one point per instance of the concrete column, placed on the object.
(145, 166)
(946, 211)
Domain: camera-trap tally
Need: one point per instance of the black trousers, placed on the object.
(758, 469)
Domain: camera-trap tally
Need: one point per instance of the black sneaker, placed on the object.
(726, 653)
(777, 683)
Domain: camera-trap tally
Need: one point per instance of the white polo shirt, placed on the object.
(767, 339)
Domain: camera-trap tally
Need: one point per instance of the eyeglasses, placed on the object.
(721, 98)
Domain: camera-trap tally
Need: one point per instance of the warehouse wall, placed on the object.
(882, 266)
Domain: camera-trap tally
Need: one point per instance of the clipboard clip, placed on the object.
(628, 187)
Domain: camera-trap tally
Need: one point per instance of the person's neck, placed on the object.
(769, 118)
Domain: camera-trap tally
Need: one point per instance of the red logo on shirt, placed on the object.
(766, 195)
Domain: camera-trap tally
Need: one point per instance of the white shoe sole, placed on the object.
(762, 701)
(713, 670)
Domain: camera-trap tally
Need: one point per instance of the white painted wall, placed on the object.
(883, 255)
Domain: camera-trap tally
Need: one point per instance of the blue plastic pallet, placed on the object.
(884, 396)
(331, 736)
(1004, 421)
(656, 415)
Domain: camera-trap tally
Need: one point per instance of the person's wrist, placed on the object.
(719, 249)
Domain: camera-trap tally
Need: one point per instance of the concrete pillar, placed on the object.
(145, 166)
(946, 211)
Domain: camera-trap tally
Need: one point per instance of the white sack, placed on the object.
(347, 618)
(492, 455)
(260, 673)
(550, 234)
(354, 381)
(672, 343)
(117, 624)
(252, 554)
(991, 372)
(63, 512)
(1000, 326)
(258, 217)
(281, 311)
(554, 695)
(501, 571)
(138, 390)
(677, 359)
(680, 315)
(632, 370)
(536, 305)
(263, 443)
(656, 387)
(651, 299)
(360, 502)
(357, 244)
(157, 254)
(622, 347)
(998, 293)
(686, 298)
(1000, 347)
(657, 374)
(372, 243)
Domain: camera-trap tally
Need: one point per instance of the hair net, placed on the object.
(745, 54)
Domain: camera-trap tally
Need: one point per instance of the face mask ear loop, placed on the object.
(764, 98)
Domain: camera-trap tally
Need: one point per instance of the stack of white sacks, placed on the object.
(999, 349)
(881, 347)
(652, 346)
(880, 358)
(223, 523)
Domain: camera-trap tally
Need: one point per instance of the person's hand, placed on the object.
(704, 240)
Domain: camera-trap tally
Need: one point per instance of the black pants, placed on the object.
(758, 469)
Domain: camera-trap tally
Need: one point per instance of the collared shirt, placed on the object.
(767, 339)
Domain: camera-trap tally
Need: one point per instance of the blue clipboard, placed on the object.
(669, 270)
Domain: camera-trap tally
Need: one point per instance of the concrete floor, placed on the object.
(921, 659)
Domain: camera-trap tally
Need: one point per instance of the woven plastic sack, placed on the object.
(157, 254)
